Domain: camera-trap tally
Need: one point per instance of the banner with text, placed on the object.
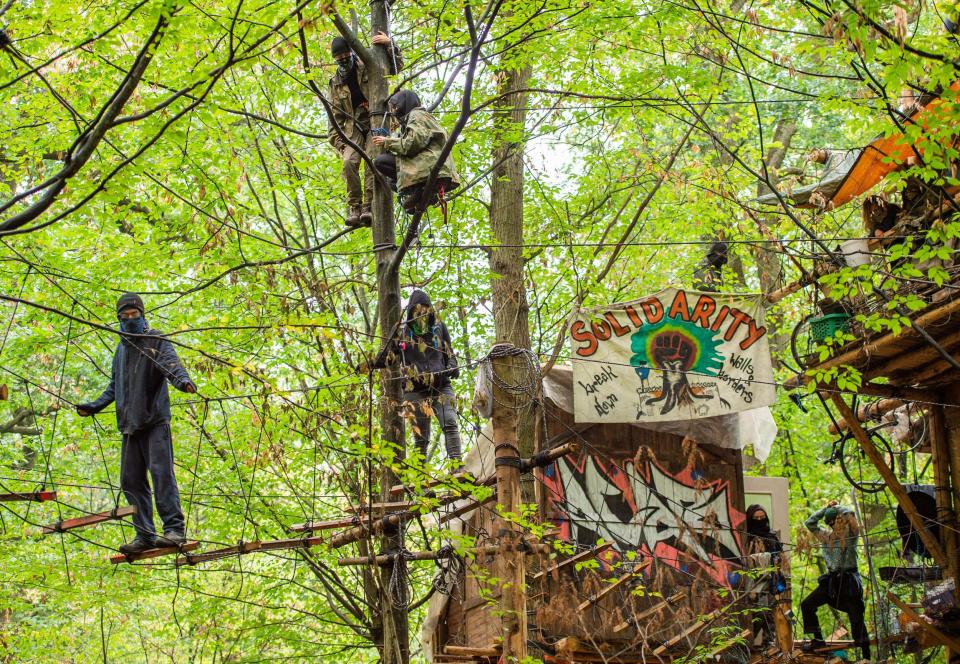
(676, 355)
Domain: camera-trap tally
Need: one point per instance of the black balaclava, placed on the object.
(404, 102)
(760, 528)
(339, 46)
(135, 325)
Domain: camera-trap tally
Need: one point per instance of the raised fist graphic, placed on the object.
(673, 350)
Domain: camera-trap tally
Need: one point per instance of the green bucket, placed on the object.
(827, 326)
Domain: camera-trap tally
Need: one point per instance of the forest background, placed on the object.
(179, 150)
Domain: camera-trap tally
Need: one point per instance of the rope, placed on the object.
(399, 587)
(451, 570)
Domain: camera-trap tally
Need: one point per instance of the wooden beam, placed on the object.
(30, 496)
(929, 542)
(940, 459)
(153, 553)
(911, 360)
(790, 289)
(460, 511)
(89, 520)
(580, 557)
(649, 611)
(596, 597)
(887, 343)
(938, 635)
(293, 543)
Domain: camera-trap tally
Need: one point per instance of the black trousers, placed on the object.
(843, 591)
(386, 163)
(151, 450)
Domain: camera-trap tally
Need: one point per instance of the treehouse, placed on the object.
(911, 370)
(644, 521)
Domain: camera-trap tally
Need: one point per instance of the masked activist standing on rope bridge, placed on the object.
(841, 587)
(428, 364)
(142, 365)
(349, 95)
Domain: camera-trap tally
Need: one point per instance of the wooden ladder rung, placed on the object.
(28, 497)
(154, 553)
(89, 520)
(311, 526)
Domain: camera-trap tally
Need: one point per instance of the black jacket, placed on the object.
(427, 360)
(141, 368)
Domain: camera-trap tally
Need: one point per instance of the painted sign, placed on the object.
(676, 355)
(681, 520)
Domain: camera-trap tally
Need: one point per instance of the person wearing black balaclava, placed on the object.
(349, 95)
(411, 154)
(428, 361)
(142, 364)
(763, 551)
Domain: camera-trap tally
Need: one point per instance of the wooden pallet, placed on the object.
(89, 520)
(154, 553)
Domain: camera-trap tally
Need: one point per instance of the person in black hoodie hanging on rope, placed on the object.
(143, 363)
(428, 364)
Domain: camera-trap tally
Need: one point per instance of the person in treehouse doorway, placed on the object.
(428, 364)
(763, 552)
(142, 364)
(841, 587)
(349, 95)
(411, 154)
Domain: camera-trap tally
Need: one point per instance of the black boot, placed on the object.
(353, 215)
(814, 645)
(138, 545)
(171, 538)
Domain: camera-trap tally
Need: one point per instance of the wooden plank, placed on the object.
(649, 611)
(293, 543)
(937, 634)
(217, 554)
(700, 624)
(593, 599)
(929, 542)
(384, 559)
(29, 496)
(492, 651)
(154, 553)
(311, 526)
(89, 520)
(580, 557)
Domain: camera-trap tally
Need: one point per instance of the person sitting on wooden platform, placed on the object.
(426, 354)
(841, 587)
(142, 364)
(412, 154)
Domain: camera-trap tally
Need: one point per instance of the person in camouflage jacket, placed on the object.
(349, 95)
(413, 152)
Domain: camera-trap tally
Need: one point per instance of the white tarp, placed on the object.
(675, 355)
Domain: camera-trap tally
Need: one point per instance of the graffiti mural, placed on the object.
(679, 520)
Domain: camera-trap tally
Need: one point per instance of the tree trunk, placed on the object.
(510, 305)
(396, 628)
